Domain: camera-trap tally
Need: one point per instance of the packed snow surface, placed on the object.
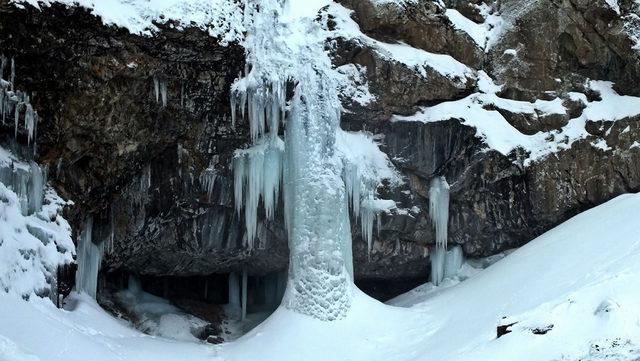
(576, 281)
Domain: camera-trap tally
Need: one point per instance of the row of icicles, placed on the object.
(14, 103)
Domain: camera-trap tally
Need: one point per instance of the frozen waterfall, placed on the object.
(439, 215)
(320, 177)
(89, 259)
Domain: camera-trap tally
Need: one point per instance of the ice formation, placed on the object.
(14, 102)
(257, 175)
(34, 238)
(439, 215)
(207, 181)
(318, 184)
(89, 259)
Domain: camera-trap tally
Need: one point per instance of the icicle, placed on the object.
(156, 88)
(234, 292)
(257, 175)
(36, 193)
(3, 64)
(12, 80)
(439, 215)
(207, 180)
(352, 181)
(238, 181)
(163, 92)
(244, 293)
(16, 119)
(182, 94)
(439, 209)
(89, 260)
(29, 120)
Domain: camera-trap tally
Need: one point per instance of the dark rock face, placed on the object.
(125, 157)
(135, 163)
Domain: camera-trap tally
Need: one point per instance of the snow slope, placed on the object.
(578, 281)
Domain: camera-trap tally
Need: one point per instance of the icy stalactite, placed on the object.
(207, 181)
(156, 88)
(163, 92)
(371, 209)
(17, 103)
(244, 293)
(89, 260)
(439, 209)
(439, 215)
(235, 303)
(257, 175)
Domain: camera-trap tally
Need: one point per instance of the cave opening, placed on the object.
(215, 308)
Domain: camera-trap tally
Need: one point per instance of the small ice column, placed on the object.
(439, 209)
(437, 258)
(89, 259)
(36, 191)
(244, 293)
(453, 261)
(439, 215)
(234, 295)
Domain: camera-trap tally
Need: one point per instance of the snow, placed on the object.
(354, 86)
(613, 4)
(477, 32)
(501, 136)
(417, 59)
(577, 277)
(34, 237)
(221, 18)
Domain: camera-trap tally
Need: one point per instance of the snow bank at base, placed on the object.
(572, 292)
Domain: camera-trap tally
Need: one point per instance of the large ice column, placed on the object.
(320, 265)
(315, 201)
(89, 259)
(439, 215)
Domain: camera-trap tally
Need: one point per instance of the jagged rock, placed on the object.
(421, 24)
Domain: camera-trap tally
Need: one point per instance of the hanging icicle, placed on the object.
(439, 215)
